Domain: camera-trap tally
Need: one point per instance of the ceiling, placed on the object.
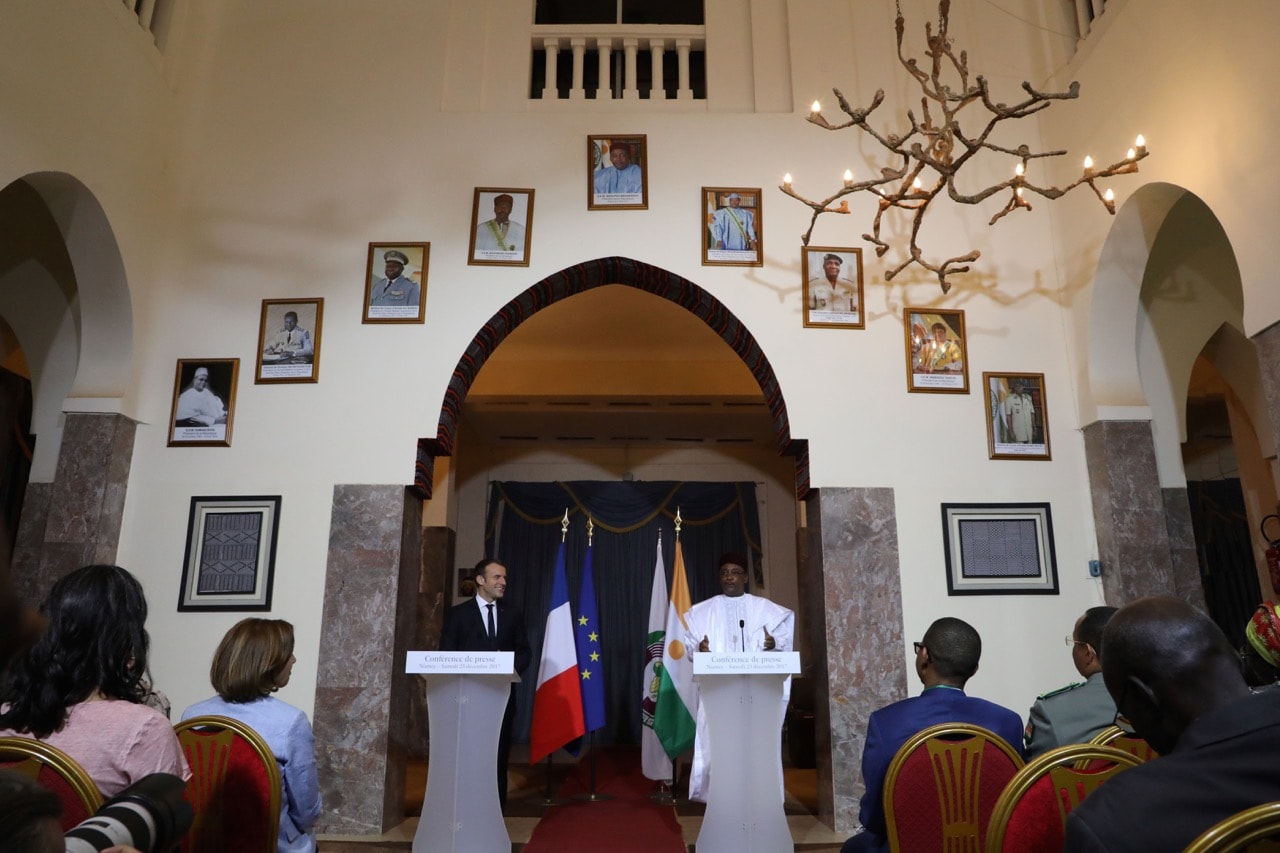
(616, 367)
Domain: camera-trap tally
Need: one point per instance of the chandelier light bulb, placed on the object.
(1088, 162)
(848, 177)
(915, 185)
(1109, 195)
(1019, 191)
(1018, 170)
(1131, 154)
(816, 108)
(786, 179)
(1140, 142)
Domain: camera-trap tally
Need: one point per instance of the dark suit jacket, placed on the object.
(465, 631)
(890, 727)
(1223, 763)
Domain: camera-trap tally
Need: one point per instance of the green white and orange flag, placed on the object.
(673, 720)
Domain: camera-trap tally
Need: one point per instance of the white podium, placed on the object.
(467, 696)
(742, 694)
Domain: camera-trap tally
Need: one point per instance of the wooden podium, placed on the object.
(743, 697)
(467, 696)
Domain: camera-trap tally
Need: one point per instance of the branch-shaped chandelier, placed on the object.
(936, 142)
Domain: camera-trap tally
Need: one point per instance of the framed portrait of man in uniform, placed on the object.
(732, 227)
(395, 282)
(1017, 416)
(832, 277)
(937, 351)
(289, 341)
(501, 227)
(617, 173)
(204, 402)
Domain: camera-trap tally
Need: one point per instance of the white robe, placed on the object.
(717, 620)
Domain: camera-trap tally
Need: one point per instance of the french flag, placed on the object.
(557, 704)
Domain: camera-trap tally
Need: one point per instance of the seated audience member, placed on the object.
(29, 816)
(1174, 676)
(79, 686)
(946, 658)
(1260, 654)
(1077, 712)
(254, 660)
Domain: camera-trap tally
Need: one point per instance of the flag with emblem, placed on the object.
(653, 759)
(557, 703)
(673, 721)
(590, 659)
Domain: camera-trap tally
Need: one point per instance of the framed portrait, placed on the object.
(937, 351)
(289, 340)
(733, 227)
(1017, 416)
(999, 549)
(231, 553)
(832, 287)
(395, 282)
(501, 227)
(617, 173)
(204, 402)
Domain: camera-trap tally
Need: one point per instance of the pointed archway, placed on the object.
(586, 276)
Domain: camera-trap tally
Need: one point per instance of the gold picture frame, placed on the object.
(509, 211)
(618, 172)
(1017, 416)
(732, 234)
(395, 282)
(832, 277)
(937, 351)
(289, 341)
(204, 402)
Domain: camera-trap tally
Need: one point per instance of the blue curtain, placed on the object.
(523, 530)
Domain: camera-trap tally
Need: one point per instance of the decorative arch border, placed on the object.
(578, 279)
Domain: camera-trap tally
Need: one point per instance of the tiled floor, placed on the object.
(527, 788)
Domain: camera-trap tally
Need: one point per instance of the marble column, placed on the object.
(435, 588)
(1131, 517)
(362, 692)
(75, 520)
(1183, 558)
(1267, 343)
(853, 607)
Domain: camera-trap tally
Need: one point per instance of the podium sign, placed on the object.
(467, 696)
(742, 693)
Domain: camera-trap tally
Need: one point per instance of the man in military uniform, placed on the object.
(1077, 712)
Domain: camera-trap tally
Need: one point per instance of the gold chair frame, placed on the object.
(943, 742)
(1239, 831)
(215, 723)
(1062, 766)
(28, 755)
(1127, 741)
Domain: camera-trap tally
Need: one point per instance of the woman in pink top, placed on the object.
(79, 686)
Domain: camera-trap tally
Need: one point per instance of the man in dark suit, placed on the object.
(946, 658)
(487, 623)
(1176, 679)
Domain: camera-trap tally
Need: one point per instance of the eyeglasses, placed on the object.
(919, 647)
(1072, 641)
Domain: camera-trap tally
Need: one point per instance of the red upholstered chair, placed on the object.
(942, 785)
(53, 769)
(234, 789)
(1255, 829)
(1031, 814)
(1130, 743)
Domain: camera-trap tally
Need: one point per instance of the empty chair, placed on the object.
(53, 769)
(1031, 814)
(234, 788)
(942, 786)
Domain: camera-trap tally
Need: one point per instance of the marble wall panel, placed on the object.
(1268, 349)
(855, 590)
(1185, 563)
(361, 709)
(435, 587)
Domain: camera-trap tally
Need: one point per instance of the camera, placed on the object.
(150, 815)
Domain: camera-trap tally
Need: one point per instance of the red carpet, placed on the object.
(629, 823)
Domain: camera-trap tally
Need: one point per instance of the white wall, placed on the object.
(298, 132)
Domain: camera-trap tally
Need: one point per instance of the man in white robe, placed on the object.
(733, 622)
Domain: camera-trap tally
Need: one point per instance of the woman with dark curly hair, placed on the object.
(80, 686)
(254, 660)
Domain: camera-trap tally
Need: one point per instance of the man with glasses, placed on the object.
(946, 659)
(1077, 712)
(735, 621)
(1175, 677)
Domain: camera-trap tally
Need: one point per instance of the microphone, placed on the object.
(742, 629)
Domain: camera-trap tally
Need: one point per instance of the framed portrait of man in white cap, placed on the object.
(733, 227)
(395, 283)
(501, 227)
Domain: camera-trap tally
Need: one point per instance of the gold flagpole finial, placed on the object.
(679, 521)
(591, 529)
(564, 525)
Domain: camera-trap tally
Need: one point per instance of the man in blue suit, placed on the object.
(488, 623)
(946, 658)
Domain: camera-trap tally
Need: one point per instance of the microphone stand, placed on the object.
(742, 628)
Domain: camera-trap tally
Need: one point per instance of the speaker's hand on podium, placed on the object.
(705, 645)
(769, 643)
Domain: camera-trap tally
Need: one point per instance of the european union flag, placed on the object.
(590, 658)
